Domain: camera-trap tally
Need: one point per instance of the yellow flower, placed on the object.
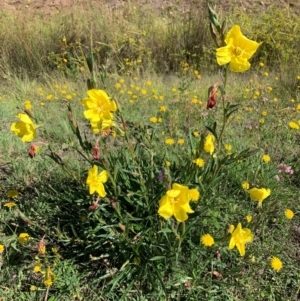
(266, 158)
(246, 185)
(194, 194)
(95, 181)
(28, 105)
(2, 248)
(207, 240)
(180, 141)
(163, 108)
(276, 264)
(209, 143)
(249, 218)
(237, 51)
(37, 268)
(196, 134)
(49, 97)
(9, 204)
(168, 163)
(228, 147)
(98, 107)
(261, 64)
(69, 97)
(259, 194)
(293, 125)
(169, 141)
(153, 119)
(289, 213)
(33, 288)
(23, 238)
(200, 162)
(48, 281)
(239, 237)
(12, 193)
(176, 202)
(24, 128)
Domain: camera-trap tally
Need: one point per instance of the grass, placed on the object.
(119, 247)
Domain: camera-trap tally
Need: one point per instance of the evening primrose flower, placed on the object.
(209, 146)
(207, 240)
(95, 181)
(98, 106)
(259, 194)
(176, 202)
(276, 264)
(24, 128)
(239, 237)
(2, 248)
(238, 50)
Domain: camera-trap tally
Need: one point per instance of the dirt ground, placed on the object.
(53, 6)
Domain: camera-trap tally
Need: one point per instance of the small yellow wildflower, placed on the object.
(276, 264)
(293, 125)
(207, 240)
(196, 134)
(10, 204)
(32, 288)
(2, 248)
(261, 64)
(153, 119)
(169, 141)
(168, 164)
(180, 141)
(228, 147)
(266, 158)
(28, 105)
(194, 194)
(12, 194)
(199, 162)
(144, 92)
(248, 218)
(266, 73)
(149, 83)
(246, 185)
(163, 108)
(289, 213)
(23, 238)
(69, 97)
(264, 113)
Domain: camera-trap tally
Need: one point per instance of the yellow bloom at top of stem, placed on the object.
(95, 181)
(25, 128)
(98, 106)
(176, 202)
(239, 237)
(209, 146)
(2, 248)
(246, 185)
(259, 194)
(238, 50)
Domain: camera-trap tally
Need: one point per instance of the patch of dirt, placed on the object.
(53, 6)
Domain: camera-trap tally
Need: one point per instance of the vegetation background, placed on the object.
(149, 56)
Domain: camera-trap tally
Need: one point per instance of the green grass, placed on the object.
(122, 249)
